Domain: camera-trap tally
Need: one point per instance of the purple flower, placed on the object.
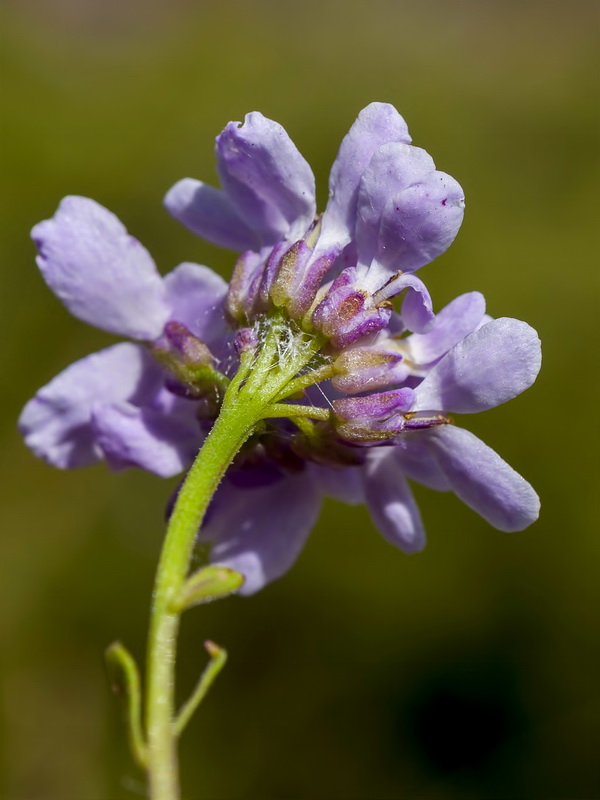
(120, 404)
(391, 379)
(114, 404)
(495, 361)
(488, 367)
(389, 212)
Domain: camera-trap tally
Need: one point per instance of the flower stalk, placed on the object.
(247, 401)
(227, 436)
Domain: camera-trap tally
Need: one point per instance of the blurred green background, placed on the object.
(468, 671)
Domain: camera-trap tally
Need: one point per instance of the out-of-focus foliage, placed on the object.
(466, 671)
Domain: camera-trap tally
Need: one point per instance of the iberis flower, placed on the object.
(356, 395)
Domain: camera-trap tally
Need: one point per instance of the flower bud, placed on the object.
(288, 273)
(184, 347)
(373, 418)
(245, 341)
(361, 369)
(344, 314)
(244, 287)
(189, 361)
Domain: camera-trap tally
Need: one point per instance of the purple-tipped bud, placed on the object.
(294, 280)
(244, 287)
(289, 273)
(245, 341)
(373, 418)
(376, 407)
(344, 315)
(361, 369)
(183, 346)
(310, 281)
(189, 361)
(269, 274)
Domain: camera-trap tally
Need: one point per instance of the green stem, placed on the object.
(225, 439)
(261, 378)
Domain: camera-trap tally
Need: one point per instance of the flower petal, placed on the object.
(490, 366)
(56, 423)
(392, 505)
(421, 222)
(408, 212)
(345, 485)
(260, 532)
(269, 183)
(417, 307)
(393, 168)
(377, 124)
(208, 213)
(482, 480)
(455, 321)
(196, 295)
(417, 462)
(145, 437)
(102, 274)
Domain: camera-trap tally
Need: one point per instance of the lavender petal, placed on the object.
(144, 437)
(208, 213)
(408, 212)
(392, 505)
(376, 125)
(269, 183)
(455, 321)
(490, 366)
(260, 532)
(483, 480)
(56, 423)
(345, 485)
(196, 295)
(417, 462)
(417, 306)
(101, 274)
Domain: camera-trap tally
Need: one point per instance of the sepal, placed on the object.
(361, 369)
(320, 444)
(207, 585)
(345, 313)
(373, 418)
(381, 417)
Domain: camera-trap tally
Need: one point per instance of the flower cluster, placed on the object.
(365, 405)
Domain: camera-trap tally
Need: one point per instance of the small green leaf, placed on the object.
(218, 657)
(208, 584)
(125, 679)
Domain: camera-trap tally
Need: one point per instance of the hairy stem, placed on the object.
(225, 439)
(262, 377)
